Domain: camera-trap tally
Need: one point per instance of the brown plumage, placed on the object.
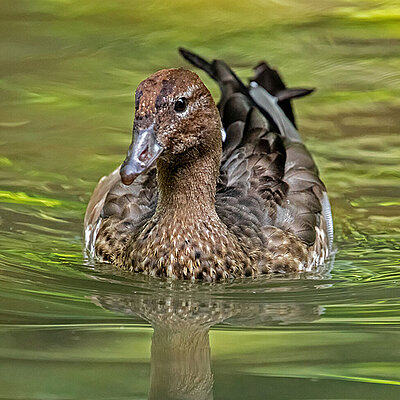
(187, 205)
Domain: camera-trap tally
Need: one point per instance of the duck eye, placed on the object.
(180, 105)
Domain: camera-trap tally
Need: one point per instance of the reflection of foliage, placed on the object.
(67, 108)
(68, 72)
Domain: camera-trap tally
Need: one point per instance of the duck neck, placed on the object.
(188, 186)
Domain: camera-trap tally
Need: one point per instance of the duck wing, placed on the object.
(111, 198)
(264, 158)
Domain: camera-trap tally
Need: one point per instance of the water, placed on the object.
(72, 331)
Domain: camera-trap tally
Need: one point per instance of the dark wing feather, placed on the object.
(112, 198)
(263, 154)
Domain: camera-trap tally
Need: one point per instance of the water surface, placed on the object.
(69, 330)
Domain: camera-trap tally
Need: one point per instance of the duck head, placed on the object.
(176, 120)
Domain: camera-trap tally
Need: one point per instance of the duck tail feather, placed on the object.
(197, 61)
(268, 78)
(272, 82)
(217, 69)
(292, 93)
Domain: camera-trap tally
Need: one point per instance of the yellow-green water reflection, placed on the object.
(67, 330)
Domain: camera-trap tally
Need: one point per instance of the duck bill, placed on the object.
(142, 153)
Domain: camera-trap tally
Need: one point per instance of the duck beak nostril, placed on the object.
(142, 153)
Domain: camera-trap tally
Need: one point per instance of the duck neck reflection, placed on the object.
(180, 363)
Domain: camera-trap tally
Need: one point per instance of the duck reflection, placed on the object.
(182, 313)
(180, 363)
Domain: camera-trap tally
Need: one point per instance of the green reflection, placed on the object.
(68, 70)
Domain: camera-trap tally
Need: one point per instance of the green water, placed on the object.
(69, 330)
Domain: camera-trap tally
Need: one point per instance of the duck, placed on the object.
(212, 192)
